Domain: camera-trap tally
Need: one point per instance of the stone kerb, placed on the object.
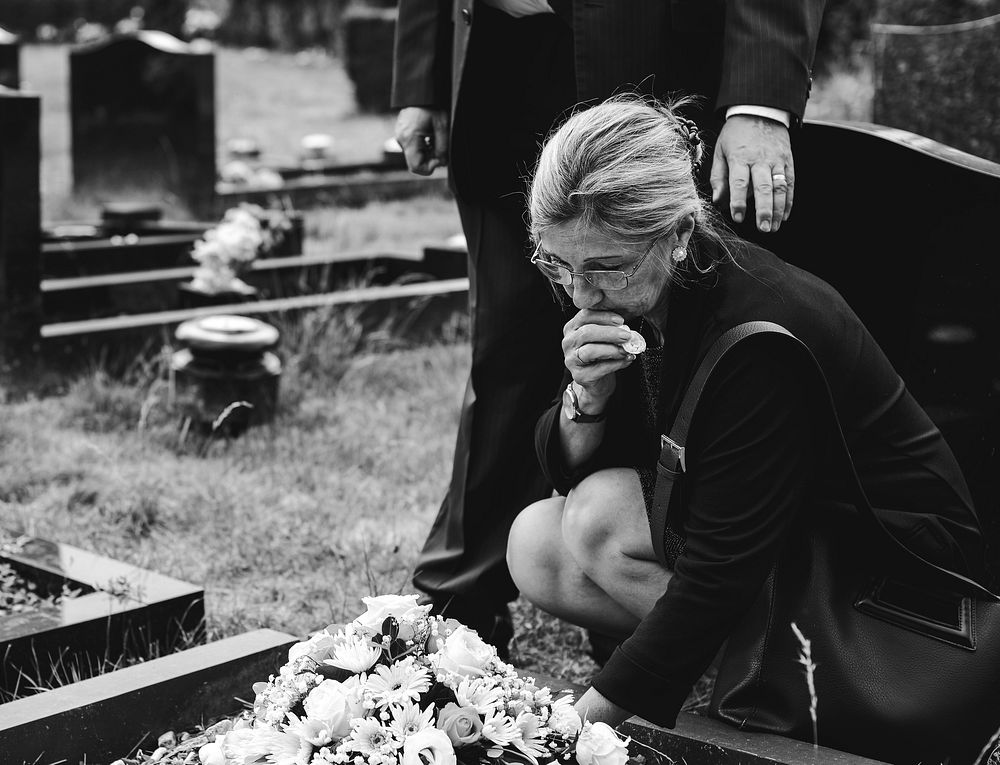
(940, 81)
(107, 717)
(120, 609)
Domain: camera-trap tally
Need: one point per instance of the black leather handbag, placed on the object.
(906, 654)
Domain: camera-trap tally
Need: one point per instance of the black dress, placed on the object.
(756, 458)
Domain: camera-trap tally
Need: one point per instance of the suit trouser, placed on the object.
(517, 365)
(516, 90)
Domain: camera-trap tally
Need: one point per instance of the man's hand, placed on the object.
(754, 152)
(423, 136)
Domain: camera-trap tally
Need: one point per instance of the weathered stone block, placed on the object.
(940, 81)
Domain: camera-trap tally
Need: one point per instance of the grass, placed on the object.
(289, 525)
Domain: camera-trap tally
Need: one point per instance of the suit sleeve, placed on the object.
(768, 53)
(421, 72)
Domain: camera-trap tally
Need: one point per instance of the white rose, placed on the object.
(430, 746)
(465, 653)
(319, 647)
(397, 606)
(564, 720)
(333, 704)
(598, 744)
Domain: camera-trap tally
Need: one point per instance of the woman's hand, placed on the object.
(592, 351)
(593, 707)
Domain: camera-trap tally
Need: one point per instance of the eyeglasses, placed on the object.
(602, 280)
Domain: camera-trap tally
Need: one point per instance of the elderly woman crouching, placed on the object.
(620, 226)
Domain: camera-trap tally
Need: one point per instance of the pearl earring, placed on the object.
(679, 255)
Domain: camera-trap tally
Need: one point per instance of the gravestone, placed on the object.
(142, 113)
(10, 60)
(919, 266)
(368, 42)
(20, 217)
(940, 81)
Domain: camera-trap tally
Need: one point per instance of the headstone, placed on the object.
(10, 60)
(142, 112)
(940, 80)
(20, 224)
(368, 42)
(922, 273)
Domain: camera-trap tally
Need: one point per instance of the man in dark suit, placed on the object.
(479, 83)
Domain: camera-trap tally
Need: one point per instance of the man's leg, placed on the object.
(516, 327)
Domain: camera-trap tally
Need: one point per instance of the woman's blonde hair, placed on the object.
(624, 167)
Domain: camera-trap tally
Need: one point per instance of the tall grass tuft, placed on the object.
(805, 659)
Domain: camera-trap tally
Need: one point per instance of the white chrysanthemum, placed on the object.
(401, 683)
(252, 744)
(563, 718)
(500, 729)
(532, 740)
(355, 654)
(369, 737)
(480, 694)
(409, 719)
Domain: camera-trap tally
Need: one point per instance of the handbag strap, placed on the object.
(672, 461)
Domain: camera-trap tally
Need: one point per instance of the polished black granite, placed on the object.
(121, 609)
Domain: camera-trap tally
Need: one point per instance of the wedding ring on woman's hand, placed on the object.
(778, 179)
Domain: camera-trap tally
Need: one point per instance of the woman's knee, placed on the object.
(532, 544)
(592, 523)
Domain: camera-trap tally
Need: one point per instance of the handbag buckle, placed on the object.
(666, 442)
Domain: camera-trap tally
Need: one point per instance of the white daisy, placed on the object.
(401, 683)
(369, 737)
(409, 719)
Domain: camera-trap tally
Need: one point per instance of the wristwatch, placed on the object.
(571, 407)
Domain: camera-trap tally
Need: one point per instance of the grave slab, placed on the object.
(121, 609)
(107, 717)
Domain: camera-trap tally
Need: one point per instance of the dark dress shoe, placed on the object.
(494, 624)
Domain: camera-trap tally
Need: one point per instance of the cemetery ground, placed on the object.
(290, 524)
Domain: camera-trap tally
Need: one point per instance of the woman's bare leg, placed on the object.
(588, 558)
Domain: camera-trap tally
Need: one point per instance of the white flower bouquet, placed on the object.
(245, 232)
(400, 687)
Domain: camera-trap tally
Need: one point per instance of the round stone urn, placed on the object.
(226, 372)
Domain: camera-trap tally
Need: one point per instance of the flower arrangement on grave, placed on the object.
(398, 686)
(224, 252)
